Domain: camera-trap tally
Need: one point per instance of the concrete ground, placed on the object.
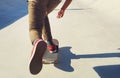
(88, 35)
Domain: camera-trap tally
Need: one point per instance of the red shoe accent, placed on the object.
(52, 49)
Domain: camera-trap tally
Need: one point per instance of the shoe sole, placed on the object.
(36, 57)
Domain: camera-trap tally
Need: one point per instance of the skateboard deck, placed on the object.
(51, 58)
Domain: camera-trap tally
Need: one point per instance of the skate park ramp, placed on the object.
(11, 10)
(88, 35)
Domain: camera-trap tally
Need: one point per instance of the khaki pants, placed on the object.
(38, 18)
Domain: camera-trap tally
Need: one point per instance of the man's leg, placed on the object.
(51, 5)
(46, 31)
(37, 13)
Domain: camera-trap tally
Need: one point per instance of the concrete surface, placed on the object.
(88, 35)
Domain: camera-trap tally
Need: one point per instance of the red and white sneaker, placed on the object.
(39, 48)
(53, 49)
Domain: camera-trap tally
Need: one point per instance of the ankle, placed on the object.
(36, 40)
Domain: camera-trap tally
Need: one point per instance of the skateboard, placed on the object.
(51, 58)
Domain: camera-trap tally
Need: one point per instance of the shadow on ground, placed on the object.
(65, 57)
(110, 71)
(11, 10)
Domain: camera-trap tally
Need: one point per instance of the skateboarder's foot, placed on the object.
(53, 48)
(39, 48)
